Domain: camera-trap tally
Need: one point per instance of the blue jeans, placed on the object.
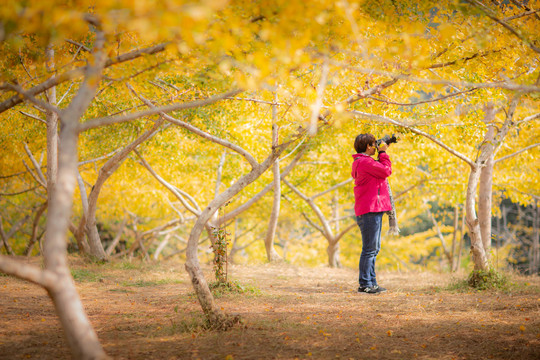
(370, 226)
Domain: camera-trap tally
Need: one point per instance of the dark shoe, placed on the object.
(379, 289)
(367, 290)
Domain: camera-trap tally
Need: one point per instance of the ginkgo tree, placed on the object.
(326, 66)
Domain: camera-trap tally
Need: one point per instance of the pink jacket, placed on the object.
(370, 188)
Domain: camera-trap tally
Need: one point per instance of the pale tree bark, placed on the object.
(454, 238)
(490, 145)
(35, 224)
(271, 252)
(446, 253)
(81, 336)
(486, 182)
(211, 310)
(88, 222)
(4, 238)
(56, 277)
(51, 118)
(326, 230)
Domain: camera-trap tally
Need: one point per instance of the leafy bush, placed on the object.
(487, 280)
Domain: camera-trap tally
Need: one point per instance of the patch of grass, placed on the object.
(122, 290)
(146, 283)
(84, 275)
(220, 289)
(482, 280)
(127, 265)
(487, 280)
(195, 323)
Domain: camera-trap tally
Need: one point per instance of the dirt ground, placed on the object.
(143, 311)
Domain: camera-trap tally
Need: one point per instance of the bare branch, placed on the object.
(250, 159)
(79, 45)
(416, 131)
(74, 73)
(37, 166)
(32, 99)
(19, 192)
(516, 153)
(462, 60)
(38, 180)
(257, 101)
(482, 8)
(234, 213)
(33, 116)
(316, 107)
(529, 118)
(194, 210)
(34, 274)
(423, 102)
(154, 111)
(497, 85)
(337, 186)
(343, 232)
(312, 223)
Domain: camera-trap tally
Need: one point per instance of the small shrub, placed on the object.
(85, 275)
(232, 287)
(487, 280)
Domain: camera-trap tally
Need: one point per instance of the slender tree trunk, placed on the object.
(96, 247)
(461, 239)
(5, 239)
(271, 252)
(454, 238)
(333, 254)
(212, 312)
(35, 224)
(477, 246)
(485, 189)
(52, 130)
(535, 261)
(445, 252)
(81, 337)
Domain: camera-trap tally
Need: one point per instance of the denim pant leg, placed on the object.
(370, 226)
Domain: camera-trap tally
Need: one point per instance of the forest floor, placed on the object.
(145, 311)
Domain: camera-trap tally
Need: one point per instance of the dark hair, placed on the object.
(362, 141)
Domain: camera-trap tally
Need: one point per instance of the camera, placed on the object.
(388, 139)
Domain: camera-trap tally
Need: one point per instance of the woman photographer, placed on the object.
(372, 199)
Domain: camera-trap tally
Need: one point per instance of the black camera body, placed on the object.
(388, 139)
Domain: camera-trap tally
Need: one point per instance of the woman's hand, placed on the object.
(383, 146)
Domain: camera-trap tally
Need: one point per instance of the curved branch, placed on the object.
(505, 25)
(416, 131)
(72, 74)
(171, 188)
(337, 186)
(24, 271)
(109, 120)
(516, 153)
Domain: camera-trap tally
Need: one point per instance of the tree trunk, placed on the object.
(477, 246)
(52, 130)
(485, 191)
(454, 238)
(271, 252)
(81, 337)
(535, 261)
(96, 247)
(212, 312)
(333, 254)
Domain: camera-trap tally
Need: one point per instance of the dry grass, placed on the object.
(149, 312)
